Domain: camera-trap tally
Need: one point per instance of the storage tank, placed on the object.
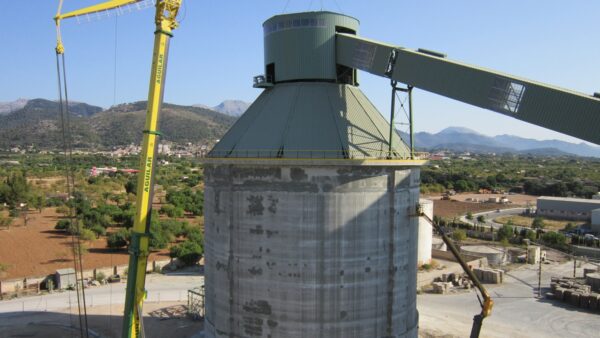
(495, 256)
(310, 220)
(425, 242)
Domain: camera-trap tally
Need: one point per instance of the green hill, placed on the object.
(39, 124)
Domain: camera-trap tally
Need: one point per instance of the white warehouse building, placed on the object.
(577, 209)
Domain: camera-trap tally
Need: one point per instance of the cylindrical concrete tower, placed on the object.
(310, 224)
(425, 233)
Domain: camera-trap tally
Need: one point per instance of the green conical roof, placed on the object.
(310, 120)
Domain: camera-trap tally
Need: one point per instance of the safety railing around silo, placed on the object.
(317, 154)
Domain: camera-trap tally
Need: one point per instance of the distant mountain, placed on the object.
(38, 123)
(180, 124)
(228, 107)
(464, 139)
(232, 107)
(9, 107)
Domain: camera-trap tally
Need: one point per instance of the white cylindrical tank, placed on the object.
(494, 255)
(425, 233)
(310, 251)
(438, 244)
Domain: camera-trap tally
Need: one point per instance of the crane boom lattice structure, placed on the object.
(165, 20)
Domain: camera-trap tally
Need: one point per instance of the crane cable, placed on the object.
(70, 184)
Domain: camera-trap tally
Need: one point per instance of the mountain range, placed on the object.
(464, 139)
(36, 122)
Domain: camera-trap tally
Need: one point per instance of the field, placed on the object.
(38, 249)
(525, 221)
(453, 208)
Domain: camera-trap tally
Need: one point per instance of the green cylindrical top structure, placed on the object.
(301, 46)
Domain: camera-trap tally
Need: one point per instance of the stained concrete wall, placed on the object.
(310, 251)
(425, 233)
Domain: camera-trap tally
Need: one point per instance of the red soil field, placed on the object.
(453, 208)
(38, 249)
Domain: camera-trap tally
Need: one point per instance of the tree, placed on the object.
(15, 189)
(505, 232)
(538, 223)
(187, 199)
(131, 185)
(529, 234)
(38, 202)
(87, 235)
(171, 210)
(481, 219)
(188, 252)
(118, 239)
(469, 216)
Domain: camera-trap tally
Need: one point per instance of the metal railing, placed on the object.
(317, 154)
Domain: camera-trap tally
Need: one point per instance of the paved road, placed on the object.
(516, 313)
(491, 215)
(172, 287)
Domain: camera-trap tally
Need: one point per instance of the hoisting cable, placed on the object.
(70, 184)
(70, 167)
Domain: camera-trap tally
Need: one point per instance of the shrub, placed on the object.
(62, 224)
(188, 252)
(554, 238)
(469, 216)
(100, 276)
(459, 235)
(63, 209)
(505, 232)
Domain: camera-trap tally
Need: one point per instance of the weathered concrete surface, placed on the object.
(310, 251)
(425, 233)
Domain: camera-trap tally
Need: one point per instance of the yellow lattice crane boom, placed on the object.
(165, 19)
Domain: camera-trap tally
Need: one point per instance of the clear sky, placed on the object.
(218, 49)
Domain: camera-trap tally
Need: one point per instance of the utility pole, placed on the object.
(574, 266)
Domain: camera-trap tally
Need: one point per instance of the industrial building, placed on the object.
(596, 220)
(577, 209)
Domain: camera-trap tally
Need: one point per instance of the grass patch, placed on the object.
(525, 221)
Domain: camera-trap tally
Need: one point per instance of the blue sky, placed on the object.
(218, 49)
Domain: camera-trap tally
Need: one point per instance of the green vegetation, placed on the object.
(119, 239)
(505, 232)
(538, 223)
(191, 250)
(459, 235)
(469, 216)
(187, 199)
(534, 175)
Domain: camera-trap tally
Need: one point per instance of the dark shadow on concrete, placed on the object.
(565, 305)
(168, 321)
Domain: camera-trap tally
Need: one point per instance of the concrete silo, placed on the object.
(309, 213)
(425, 233)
